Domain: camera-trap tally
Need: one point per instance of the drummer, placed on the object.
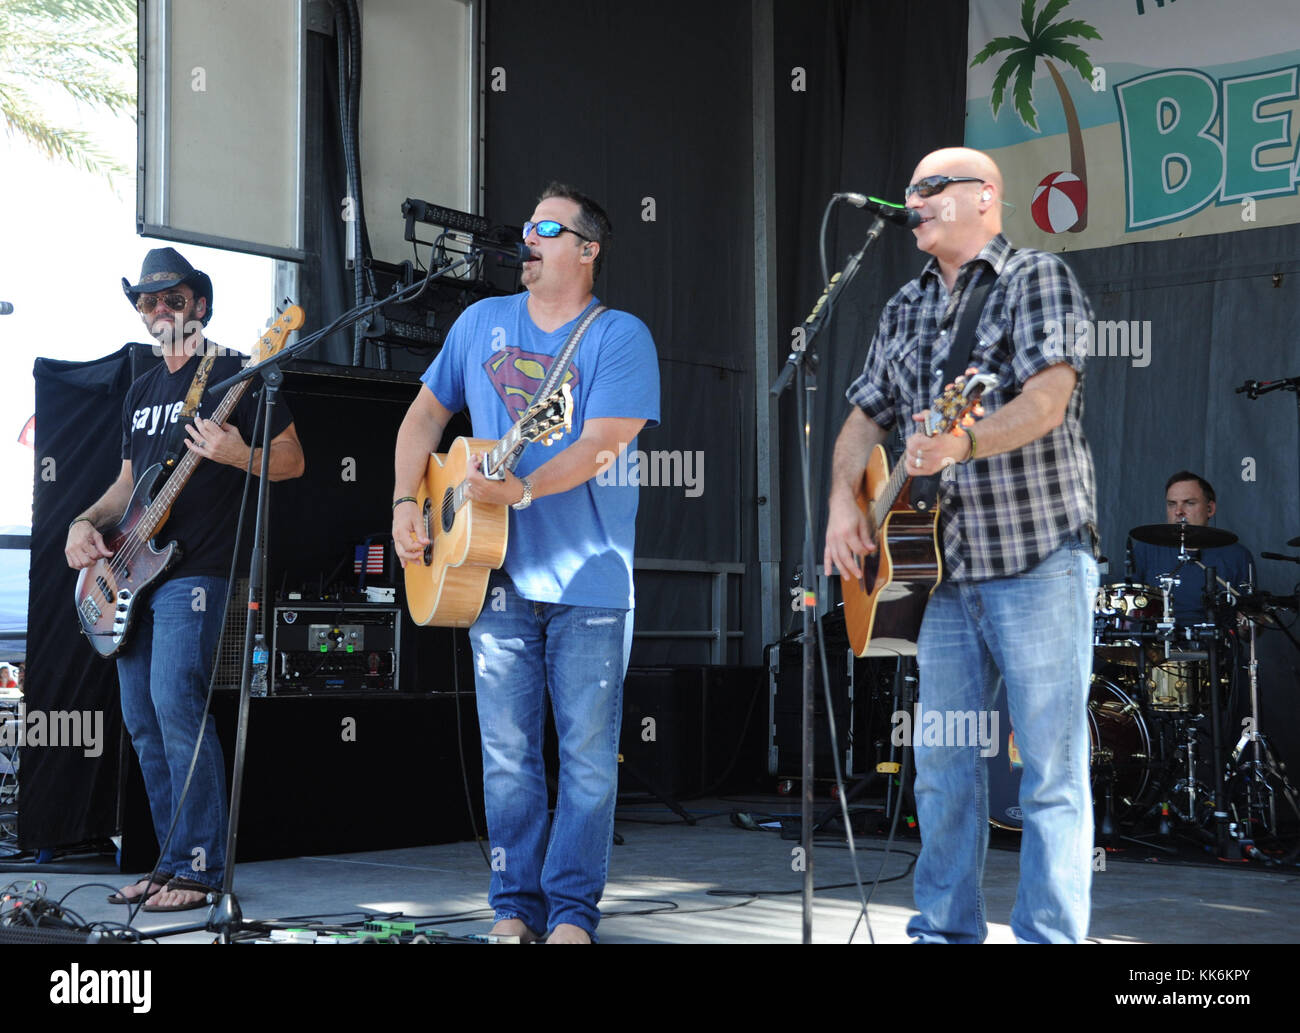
(1190, 497)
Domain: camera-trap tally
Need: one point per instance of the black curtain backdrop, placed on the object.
(648, 111)
(68, 797)
(885, 84)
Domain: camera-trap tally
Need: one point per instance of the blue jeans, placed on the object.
(549, 872)
(1036, 630)
(164, 679)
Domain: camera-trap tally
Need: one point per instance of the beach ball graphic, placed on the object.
(1058, 202)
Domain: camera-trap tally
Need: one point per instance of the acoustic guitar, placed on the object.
(883, 608)
(467, 539)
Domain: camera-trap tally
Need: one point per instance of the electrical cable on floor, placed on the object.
(460, 747)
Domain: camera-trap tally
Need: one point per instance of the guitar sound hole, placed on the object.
(448, 511)
(426, 516)
(870, 570)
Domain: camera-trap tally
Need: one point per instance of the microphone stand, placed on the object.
(225, 916)
(1253, 389)
(802, 364)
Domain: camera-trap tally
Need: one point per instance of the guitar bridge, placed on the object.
(90, 611)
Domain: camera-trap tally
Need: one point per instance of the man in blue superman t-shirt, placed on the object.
(559, 616)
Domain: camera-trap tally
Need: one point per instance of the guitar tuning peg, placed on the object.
(979, 410)
(968, 420)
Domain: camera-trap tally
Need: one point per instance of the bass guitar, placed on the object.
(108, 592)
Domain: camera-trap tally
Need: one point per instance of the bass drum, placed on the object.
(1121, 756)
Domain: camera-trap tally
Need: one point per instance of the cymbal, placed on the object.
(1191, 535)
(1259, 607)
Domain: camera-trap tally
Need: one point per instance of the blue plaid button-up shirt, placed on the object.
(1001, 515)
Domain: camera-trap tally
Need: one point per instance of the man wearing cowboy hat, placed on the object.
(165, 666)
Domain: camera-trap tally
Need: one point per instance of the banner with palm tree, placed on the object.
(1116, 121)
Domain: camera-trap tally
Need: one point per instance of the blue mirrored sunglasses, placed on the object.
(550, 228)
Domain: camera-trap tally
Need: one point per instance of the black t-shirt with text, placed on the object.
(203, 517)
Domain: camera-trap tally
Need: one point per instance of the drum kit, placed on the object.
(1163, 708)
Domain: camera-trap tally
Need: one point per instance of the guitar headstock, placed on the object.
(272, 341)
(550, 419)
(959, 405)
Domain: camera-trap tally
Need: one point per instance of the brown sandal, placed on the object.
(156, 882)
(185, 886)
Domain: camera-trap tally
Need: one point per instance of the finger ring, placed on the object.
(917, 460)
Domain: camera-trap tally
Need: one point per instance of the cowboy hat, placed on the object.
(164, 267)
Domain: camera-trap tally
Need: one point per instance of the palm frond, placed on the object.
(996, 46)
(1049, 11)
(1027, 17)
(1022, 92)
(1000, 84)
(74, 146)
(36, 45)
(90, 90)
(1074, 27)
(1072, 56)
(122, 12)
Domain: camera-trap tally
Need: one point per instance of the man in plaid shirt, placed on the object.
(1018, 523)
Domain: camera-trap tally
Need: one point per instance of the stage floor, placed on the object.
(681, 872)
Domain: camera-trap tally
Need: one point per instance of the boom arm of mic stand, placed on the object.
(824, 309)
(285, 355)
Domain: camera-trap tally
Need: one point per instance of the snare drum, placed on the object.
(1121, 756)
(1118, 610)
(1175, 685)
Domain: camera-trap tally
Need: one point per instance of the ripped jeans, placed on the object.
(548, 872)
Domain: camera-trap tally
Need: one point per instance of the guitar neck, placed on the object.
(492, 462)
(897, 477)
(162, 502)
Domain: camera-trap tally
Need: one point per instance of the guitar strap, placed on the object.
(558, 369)
(926, 489)
(189, 410)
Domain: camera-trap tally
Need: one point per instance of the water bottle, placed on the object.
(258, 685)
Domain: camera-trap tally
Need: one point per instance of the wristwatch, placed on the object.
(527, 500)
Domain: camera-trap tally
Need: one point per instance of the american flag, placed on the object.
(373, 556)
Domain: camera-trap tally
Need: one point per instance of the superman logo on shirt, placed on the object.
(517, 374)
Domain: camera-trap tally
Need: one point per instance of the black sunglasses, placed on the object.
(550, 228)
(931, 185)
(176, 302)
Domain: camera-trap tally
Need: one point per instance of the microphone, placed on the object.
(1279, 556)
(899, 216)
(6, 308)
(512, 250)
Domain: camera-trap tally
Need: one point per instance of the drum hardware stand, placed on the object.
(1264, 768)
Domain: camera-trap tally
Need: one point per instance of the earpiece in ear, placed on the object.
(987, 195)
(586, 251)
